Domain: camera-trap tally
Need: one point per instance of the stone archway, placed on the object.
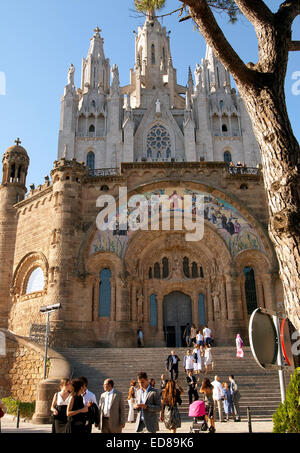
(177, 312)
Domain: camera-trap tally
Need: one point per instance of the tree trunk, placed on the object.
(281, 163)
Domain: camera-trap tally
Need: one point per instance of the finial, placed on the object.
(18, 142)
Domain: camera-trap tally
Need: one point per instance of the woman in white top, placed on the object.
(131, 400)
(198, 359)
(59, 406)
(208, 359)
(188, 361)
(199, 338)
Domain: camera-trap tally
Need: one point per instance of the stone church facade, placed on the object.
(152, 137)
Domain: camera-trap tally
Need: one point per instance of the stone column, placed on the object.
(125, 334)
(210, 315)
(195, 307)
(268, 291)
(133, 302)
(234, 300)
(224, 308)
(160, 320)
(260, 293)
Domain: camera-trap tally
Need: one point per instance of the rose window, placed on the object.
(158, 143)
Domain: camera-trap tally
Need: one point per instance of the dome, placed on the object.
(16, 149)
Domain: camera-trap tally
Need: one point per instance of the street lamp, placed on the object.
(47, 309)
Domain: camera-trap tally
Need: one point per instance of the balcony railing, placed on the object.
(237, 170)
(104, 172)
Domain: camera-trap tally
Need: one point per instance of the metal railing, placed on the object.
(237, 170)
(104, 172)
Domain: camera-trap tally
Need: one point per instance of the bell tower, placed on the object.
(12, 190)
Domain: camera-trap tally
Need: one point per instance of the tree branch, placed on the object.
(287, 11)
(294, 45)
(215, 38)
(256, 12)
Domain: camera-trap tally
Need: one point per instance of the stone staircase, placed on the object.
(259, 389)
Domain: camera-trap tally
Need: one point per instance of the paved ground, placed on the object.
(8, 425)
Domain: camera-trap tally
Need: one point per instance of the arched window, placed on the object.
(201, 310)
(194, 270)
(90, 160)
(250, 289)
(156, 270)
(104, 293)
(165, 269)
(150, 273)
(186, 267)
(92, 128)
(201, 272)
(224, 128)
(36, 281)
(153, 310)
(158, 142)
(227, 157)
(152, 54)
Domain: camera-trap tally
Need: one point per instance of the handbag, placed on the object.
(172, 417)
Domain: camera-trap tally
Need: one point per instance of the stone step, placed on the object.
(259, 388)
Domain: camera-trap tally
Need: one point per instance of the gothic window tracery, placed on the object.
(158, 142)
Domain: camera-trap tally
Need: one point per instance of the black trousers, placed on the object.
(174, 371)
(193, 393)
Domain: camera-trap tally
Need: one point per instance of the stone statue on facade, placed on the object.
(140, 303)
(71, 72)
(198, 75)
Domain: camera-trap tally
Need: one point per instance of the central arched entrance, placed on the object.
(177, 311)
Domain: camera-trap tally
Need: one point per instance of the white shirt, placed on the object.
(218, 390)
(189, 362)
(89, 396)
(143, 395)
(199, 337)
(60, 401)
(107, 403)
(206, 332)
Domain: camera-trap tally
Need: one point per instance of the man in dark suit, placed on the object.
(148, 406)
(172, 365)
(192, 385)
(112, 409)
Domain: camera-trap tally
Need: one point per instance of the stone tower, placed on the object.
(12, 190)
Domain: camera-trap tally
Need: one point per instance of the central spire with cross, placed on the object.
(18, 142)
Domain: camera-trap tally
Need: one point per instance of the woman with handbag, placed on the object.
(170, 398)
(131, 400)
(207, 390)
(59, 406)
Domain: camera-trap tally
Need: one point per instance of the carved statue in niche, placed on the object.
(216, 304)
(140, 304)
(176, 269)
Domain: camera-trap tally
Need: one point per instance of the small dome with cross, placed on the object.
(17, 148)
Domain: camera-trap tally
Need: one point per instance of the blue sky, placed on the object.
(39, 40)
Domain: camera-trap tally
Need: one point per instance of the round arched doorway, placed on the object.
(177, 308)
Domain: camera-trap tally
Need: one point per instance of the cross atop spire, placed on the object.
(18, 142)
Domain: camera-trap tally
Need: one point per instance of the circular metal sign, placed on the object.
(286, 343)
(263, 338)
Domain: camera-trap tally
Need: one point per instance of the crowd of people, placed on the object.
(75, 408)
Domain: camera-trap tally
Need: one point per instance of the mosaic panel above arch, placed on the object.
(229, 223)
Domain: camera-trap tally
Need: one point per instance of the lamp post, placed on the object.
(47, 309)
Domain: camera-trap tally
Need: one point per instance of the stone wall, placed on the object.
(21, 370)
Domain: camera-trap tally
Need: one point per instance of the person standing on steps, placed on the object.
(192, 387)
(218, 397)
(140, 338)
(89, 397)
(172, 365)
(131, 400)
(148, 406)
(187, 335)
(170, 398)
(228, 403)
(76, 410)
(193, 334)
(112, 409)
(235, 398)
(59, 406)
(207, 336)
(239, 346)
(188, 361)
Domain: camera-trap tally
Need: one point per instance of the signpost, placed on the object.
(268, 341)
